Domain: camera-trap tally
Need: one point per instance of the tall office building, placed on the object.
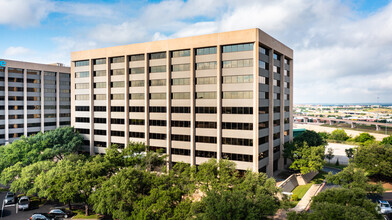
(33, 97)
(225, 95)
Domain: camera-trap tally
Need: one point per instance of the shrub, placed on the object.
(294, 197)
(337, 162)
(339, 135)
(364, 137)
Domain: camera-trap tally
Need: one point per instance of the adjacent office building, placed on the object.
(225, 95)
(33, 97)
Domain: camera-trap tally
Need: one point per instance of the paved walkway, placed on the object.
(304, 202)
(338, 152)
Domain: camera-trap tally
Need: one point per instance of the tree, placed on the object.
(10, 173)
(324, 135)
(340, 203)
(329, 154)
(311, 137)
(305, 158)
(351, 177)
(364, 137)
(349, 152)
(375, 159)
(387, 140)
(339, 135)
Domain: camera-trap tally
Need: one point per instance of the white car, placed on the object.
(383, 207)
(24, 203)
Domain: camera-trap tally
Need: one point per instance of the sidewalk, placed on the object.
(304, 202)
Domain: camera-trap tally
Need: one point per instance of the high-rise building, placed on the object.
(225, 95)
(33, 97)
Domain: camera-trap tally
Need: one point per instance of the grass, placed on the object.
(301, 190)
(80, 215)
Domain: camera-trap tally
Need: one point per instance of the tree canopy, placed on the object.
(339, 135)
(387, 140)
(376, 159)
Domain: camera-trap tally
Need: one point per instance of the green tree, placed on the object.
(305, 158)
(387, 140)
(340, 203)
(311, 137)
(364, 137)
(329, 154)
(339, 135)
(351, 177)
(324, 135)
(10, 173)
(376, 159)
(349, 152)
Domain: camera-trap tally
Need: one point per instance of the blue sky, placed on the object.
(342, 48)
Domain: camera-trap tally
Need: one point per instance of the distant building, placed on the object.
(225, 95)
(33, 97)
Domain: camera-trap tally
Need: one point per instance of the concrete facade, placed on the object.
(225, 95)
(33, 98)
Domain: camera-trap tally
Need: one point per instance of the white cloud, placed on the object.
(24, 13)
(16, 51)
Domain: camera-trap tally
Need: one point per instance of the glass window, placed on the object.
(237, 63)
(238, 79)
(117, 72)
(180, 81)
(263, 65)
(154, 56)
(81, 97)
(137, 57)
(276, 56)
(100, 97)
(181, 95)
(158, 82)
(263, 50)
(117, 60)
(82, 74)
(117, 96)
(136, 96)
(181, 53)
(205, 51)
(237, 48)
(137, 70)
(100, 61)
(205, 95)
(206, 80)
(82, 63)
(100, 85)
(157, 69)
(81, 86)
(181, 67)
(117, 84)
(100, 73)
(136, 83)
(238, 95)
(206, 65)
(157, 95)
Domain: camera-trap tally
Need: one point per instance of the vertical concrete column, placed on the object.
(25, 102)
(282, 105)
(108, 103)
(192, 100)
(126, 96)
(42, 101)
(270, 166)
(256, 104)
(91, 83)
(6, 111)
(291, 75)
(146, 100)
(378, 127)
(219, 104)
(57, 99)
(168, 108)
(72, 88)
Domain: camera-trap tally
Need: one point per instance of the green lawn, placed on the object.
(301, 190)
(336, 166)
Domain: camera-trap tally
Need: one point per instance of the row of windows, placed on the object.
(181, 67)
(237, 126)
(238, 79)
(237, 63)
(238, 157)
(237, 141)
(206, 65)
(157, 123)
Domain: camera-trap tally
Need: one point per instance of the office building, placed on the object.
(33, 97)
(224, 95)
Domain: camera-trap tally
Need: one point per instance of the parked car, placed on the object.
(9, 198)
(59, 213)
(383, 207)
(40, 216)
(24, 203)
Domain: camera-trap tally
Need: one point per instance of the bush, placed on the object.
(364, 137)
(339, 135)
(294, 197)
(387, 140)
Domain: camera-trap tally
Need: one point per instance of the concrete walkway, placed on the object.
(304, 202)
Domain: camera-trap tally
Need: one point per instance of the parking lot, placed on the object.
(9, 213)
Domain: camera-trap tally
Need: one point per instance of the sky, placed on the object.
(342, 48)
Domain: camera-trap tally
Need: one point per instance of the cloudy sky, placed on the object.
(342, 48)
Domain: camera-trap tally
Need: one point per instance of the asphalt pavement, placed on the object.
(9, 213)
